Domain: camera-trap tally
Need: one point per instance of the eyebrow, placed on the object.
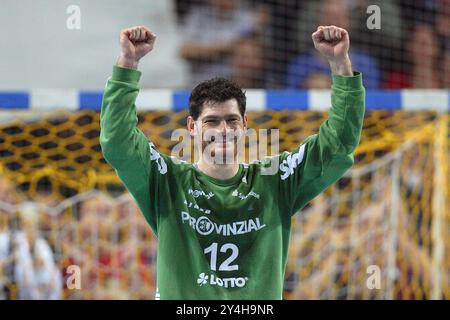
(214, 117)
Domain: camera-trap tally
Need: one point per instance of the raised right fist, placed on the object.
(135, 43)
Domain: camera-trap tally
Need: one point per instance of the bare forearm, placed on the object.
(341, 67)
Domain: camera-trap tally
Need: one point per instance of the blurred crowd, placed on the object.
(108, 240)
(259, 44)
(267, 44)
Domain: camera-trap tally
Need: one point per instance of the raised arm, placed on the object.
(118, 115)
(324, 157)
(124, 146)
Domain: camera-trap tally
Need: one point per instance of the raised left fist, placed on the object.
(332, 42)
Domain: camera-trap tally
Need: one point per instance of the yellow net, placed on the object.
(381, 232)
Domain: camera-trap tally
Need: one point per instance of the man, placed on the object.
(223, 228)
(211, 32)
(309, 69)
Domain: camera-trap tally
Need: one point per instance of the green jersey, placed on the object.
(225, 239)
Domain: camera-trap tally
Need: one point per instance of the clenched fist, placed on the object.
(135, 43)
(333, 43)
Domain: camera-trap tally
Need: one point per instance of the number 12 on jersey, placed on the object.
(226, 264)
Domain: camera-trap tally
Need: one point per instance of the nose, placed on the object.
(223, 127)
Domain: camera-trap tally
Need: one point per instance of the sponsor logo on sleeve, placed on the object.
(154, 155)
(288, 165)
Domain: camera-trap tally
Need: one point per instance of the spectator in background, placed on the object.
(35, 272)
(418, 11)
(211, 32)
(383, 44)
(100, 262)
(91, 242)
(247, 63)
(281, 38)
(114, 240)
(7, 194)
(309, 70)
(420, 61)
(182, 8)
(446, 70)
(443, 23)
(317, 80)
(7, 197)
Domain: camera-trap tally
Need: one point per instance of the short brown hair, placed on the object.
(215, 90)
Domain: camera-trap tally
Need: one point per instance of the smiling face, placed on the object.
(217, 120)
(220, 128)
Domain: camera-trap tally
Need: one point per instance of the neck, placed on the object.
(218, 171)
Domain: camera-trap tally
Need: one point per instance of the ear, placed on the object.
(191, 125)
(245, 122)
